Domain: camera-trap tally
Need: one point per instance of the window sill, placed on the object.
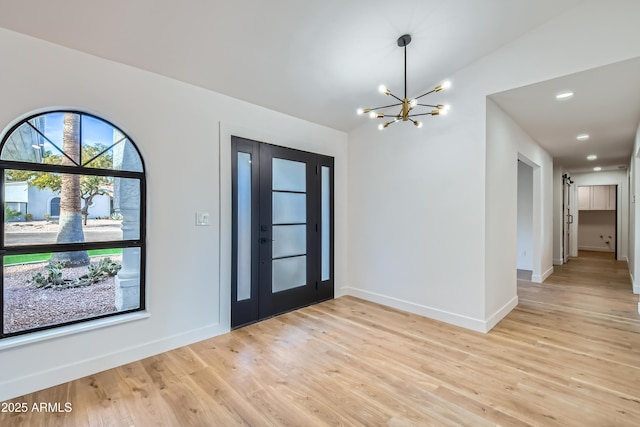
(70, 330)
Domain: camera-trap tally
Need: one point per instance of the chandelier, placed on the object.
(406, 105)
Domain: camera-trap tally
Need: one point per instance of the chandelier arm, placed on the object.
(424, 94)
(428, 105)
(421, 114)
(395, 97)
(386, 106)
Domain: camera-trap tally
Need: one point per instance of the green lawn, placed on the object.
(21, 259)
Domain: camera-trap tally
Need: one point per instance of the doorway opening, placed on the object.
(525, 221)
(598, 220)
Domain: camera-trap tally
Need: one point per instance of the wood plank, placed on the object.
(569, 354)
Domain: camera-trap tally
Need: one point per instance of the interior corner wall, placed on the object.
(177, 128)
(634, 216)
(424, 234)
(506, 143)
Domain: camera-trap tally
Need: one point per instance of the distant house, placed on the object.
(43, 204)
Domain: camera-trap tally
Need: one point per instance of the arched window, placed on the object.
(86, 261)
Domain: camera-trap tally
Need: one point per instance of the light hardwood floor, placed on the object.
(568, 355)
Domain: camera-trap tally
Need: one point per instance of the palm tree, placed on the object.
(70, 223)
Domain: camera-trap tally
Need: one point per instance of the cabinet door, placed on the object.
(613, 189)
(584, 198)
(599, 197)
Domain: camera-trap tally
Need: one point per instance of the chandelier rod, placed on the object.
(405, 71)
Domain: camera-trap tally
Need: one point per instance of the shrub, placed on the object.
(10, 214)
(104, 269)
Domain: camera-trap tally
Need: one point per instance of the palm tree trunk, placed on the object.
(70, 225)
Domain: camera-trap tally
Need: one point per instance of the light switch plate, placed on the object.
(202, 218)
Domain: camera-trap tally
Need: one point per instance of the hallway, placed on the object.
(593, 282)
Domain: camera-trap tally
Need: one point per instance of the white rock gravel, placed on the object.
(26, 306)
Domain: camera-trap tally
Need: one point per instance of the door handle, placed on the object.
(570, 219)
(266, 240)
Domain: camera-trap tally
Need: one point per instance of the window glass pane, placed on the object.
(244, 227)
(40, 140)
(105, 147)
(35, 212)
(289, 240)
(289, 175)
(326, 223)
(289, 208)
(37, 295)
(288, 273)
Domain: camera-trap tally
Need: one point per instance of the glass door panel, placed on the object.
(288, 273)
(244, 227)
(289, 224)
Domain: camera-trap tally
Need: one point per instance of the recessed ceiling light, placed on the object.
(592, 157)
(582, 137)
(564, 95)
(597, 169)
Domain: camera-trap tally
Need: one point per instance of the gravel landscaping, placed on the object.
(26, 306)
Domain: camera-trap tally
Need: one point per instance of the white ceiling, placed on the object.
(320, 60)
(605, 105)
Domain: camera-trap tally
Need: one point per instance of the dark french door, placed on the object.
(282, 237)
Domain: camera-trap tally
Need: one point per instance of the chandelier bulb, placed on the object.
(413, 103)
(418, 124)
(445, 85)
(381, 126)
(373, 115)
(360, 111)
(383, 89)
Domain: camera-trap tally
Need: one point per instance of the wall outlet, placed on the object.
(202, 218)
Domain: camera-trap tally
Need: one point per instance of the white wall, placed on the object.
(432, 212)
(558, 215)
(619, 178)
(597, 231)
(183, 133)
(525, 217)
(634, 215)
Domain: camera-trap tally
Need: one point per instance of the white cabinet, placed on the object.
(584, 198)
(597, 198)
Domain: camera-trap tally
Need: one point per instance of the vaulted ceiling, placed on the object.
(315, 60)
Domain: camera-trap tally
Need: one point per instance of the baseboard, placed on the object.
(501, 313)
(558, 261)
(62, 374)
(539, 278)
(430, 312)
(594, 249)
(340, 292)
(636, 285)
